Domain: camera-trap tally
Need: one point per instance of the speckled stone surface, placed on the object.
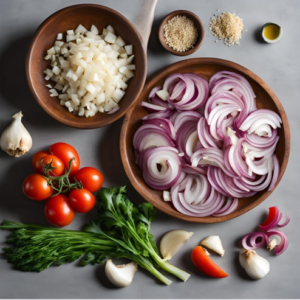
(278, 65)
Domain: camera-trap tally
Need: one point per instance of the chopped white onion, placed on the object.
(90, 70)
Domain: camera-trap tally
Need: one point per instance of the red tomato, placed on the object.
(90, 178)
(65, 153)
(36, 161)
(35, 187)
(82, 200)
(205, 264)
(57, 164)
(58, 211)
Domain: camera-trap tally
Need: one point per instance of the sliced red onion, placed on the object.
(165, 114)
(153, 107)
(261, 141)
(150, 135)
(284, 243)
(230, 206)
(161, 167)
(260, 117)
(253, 243)
(230, 81)
(164, 124)
(276, 170)
(205, 138)
(227, 153)
(213, 203)
(212, 157)
(260, 152)
(287, 221)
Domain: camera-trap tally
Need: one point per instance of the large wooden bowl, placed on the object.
(205, 67)
(70, 18)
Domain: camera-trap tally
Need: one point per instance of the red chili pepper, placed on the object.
(205, 264)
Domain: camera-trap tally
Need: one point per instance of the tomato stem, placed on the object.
(60, 184)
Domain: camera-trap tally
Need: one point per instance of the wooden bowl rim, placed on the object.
(169, 209)
(78, 123)
(200, 36)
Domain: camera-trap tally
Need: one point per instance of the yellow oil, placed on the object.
(271, 32)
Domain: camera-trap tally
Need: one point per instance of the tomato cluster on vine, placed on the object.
(60, 181)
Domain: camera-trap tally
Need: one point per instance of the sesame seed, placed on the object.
(180, 33)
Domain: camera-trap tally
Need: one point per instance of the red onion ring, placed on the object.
(284, 243)
(253, 237)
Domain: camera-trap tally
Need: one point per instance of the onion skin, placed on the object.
(205, 264)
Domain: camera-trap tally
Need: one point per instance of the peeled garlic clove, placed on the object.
(120, 275)
(213, 243)
(15, 139)
(255, 266)
(272, 245)
(172, 241)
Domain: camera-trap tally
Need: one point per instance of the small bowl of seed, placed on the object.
(181, 32)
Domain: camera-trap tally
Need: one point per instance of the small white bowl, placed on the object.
(279, 35)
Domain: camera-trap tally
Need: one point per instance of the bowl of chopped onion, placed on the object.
(86, 65)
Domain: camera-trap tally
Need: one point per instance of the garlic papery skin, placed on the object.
(15, 139)
(172, 241)
(213, 243)
(255, 266)
(120, 275)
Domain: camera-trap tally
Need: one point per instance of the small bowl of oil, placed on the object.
(271, 33)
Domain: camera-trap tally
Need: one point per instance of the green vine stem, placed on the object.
(60, 184)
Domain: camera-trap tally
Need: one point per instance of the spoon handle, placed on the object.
(144, 20)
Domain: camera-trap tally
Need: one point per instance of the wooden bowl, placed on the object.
(70, 18)
(205, 67)
(198, 24)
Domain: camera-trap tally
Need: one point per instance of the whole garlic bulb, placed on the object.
(15, 139)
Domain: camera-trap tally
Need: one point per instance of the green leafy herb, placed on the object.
(121, 231)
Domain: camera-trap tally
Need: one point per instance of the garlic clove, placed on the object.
(15, 139)
(120, 275)
(272, 245)
(255, 266)
(172, 241)
(213, 243)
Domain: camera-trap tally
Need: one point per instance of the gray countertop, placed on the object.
(278, 65)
